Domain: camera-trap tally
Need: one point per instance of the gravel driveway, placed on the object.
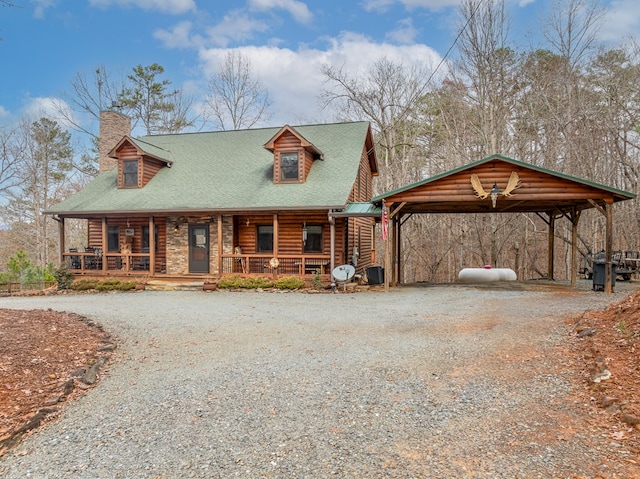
(454, 381)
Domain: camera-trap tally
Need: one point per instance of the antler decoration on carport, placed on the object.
(512, 184)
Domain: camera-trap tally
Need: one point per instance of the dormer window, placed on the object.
(130, 173)
(293, 156)
(136, 167)
(289, 166)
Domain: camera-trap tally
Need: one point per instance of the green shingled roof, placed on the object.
(229, 170)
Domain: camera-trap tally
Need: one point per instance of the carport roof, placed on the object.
(539, 190)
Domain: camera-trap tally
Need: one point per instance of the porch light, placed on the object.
(494, 193)
(304, 233)
(176, 227)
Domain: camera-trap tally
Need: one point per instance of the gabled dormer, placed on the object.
(136, 167)
(293, 156)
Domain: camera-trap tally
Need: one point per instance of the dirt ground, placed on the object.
(605, 347)
(45, 356)
(44, 360)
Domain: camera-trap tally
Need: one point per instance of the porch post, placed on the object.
(372, 239)
(152, 245)
(275, 236)
(332, 252)
(61, 240)
(105, 244)
(220, 245)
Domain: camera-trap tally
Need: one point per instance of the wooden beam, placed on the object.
(598, 207)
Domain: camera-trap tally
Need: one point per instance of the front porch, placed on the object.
(208, 247)
(93, 262)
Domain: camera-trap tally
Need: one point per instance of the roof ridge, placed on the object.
(306, 125)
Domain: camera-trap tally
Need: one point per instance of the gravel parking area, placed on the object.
(453, 381)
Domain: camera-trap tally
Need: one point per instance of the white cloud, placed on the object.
(40, 6)
(294, 80)
(4, 113)
(622, 19)
(382, 6)
(298, 10)
(235, 26)
(165, 6)
(48, 107)
(405, 32)
(179, 36)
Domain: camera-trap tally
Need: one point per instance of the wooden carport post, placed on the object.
(551, 245)
(575, 218)
(608, 270)
(391, 254)
(387, 253)
(607, 212)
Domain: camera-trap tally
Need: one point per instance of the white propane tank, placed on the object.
(486, 274)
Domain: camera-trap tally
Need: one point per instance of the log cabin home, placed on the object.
(197, 206)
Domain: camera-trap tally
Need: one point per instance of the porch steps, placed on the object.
(164, 285)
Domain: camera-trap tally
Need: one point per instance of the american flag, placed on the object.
(385, 220)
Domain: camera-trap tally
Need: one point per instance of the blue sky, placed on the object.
(45, 43)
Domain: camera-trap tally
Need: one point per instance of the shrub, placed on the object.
(289, 282)
(84, 284)
(256, 282)
(230, 282)
(106, 285)
(239, 282)
(115, 285)
(63, 276)
(316, 281)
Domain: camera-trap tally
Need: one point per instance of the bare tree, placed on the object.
(572, 28)
(89, 95)
(179, 117)
(388, 96)
(236, 97)
(12, 153)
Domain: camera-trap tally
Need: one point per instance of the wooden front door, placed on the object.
(198, 248)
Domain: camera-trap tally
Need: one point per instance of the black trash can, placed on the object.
(599, 274)
(375, 274)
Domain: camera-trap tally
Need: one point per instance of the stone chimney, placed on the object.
(113, 126)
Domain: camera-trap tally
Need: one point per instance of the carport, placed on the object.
(498, 184)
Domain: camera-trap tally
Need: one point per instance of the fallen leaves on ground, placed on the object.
(43, 357)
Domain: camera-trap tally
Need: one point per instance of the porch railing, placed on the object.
(138, 263)
(294, 265)
(93, 262)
